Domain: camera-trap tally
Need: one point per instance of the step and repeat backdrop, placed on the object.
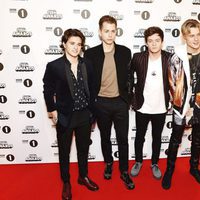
(29, 38)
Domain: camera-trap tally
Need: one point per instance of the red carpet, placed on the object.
(42, 182)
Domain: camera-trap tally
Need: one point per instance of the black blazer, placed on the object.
(58, 87)
(139, 65)
(122, 58)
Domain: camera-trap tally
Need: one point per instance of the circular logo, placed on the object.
(33, 143)
(145, 15)
(116, 154)
(143, 48)
(58, 31)
(6, 129)
(30, 114)
(176, 32)
(22, 13)
(119, 32)
(10, 157)
(28, 82)
(166, 151)
(85, 14)
(3, 99)
(25, 49)
(1, 66)
(169, 125)
(190, 137)
(177, 1)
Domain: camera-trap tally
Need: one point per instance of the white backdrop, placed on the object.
(29, 38)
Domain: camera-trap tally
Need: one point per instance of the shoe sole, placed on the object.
(127, 187)
(80, 183)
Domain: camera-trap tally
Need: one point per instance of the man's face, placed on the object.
(108, 33)
(73, 46)
(154, 43)
(192, 40)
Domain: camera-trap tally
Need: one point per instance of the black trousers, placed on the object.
(113, 111)
(142, 120)
(175, 141)
(81, 127)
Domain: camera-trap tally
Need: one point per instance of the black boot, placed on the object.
(175, 140)
(167, 178)
(195, 152)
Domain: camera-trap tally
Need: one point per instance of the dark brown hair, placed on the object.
(72, 32)
(152, 30)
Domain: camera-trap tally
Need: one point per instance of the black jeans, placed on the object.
(195, 146)
(142, 120)
(81, 127)
(113, 110)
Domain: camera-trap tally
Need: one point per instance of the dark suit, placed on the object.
(59, 96)
(139, 65)
(114, 109)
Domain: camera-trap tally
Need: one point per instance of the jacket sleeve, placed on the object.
(49, 88)
(177, 81)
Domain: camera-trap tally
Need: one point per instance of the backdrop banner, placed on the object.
(29, 38)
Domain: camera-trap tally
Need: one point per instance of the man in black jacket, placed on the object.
(69, 93)
(151, 96)
(111, 66)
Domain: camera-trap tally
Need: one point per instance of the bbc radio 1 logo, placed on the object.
(85, 14)
(22, 13)
(24, 67)
(25, 49)
(172, 17)
(116, 15)
(22, 32)
(27, 82)
(10, 157)
(32, 143)
(6, 129)
(196, 2)
(30, 130)
(4, 116)
(30, 113)
(3, 99)
(52, 14)
(119, 32)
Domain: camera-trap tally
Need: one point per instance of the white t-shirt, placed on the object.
(154, 100)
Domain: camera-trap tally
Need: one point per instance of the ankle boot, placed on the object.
(166, 181)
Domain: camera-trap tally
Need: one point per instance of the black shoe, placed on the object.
(167, 178)
(66, 192)
(88, 183)
(108, 171)
(196, 174)
(127, 180)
